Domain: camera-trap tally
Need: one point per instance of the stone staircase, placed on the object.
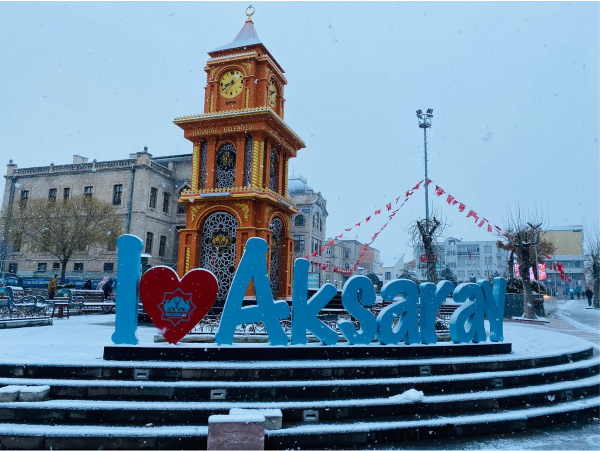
(325, 404)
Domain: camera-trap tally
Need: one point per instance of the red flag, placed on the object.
(389, 206)
(450, 199)
(367, 220)
(483, 221)
(429, 181)
(418, 185)
(454, 202)
(548, 257)
(339, 236)
(409, 193)
(330, 243)
(461, 207)
(498, 228)
(474, 215)
(439, 191)
(357, 225)
(323, 247)
(489, 228)
(377, 212)
(569, 280)
(335, 269)
(470, 255)
(347, 230)
(398, 198)
(324, 267)
(314, 254)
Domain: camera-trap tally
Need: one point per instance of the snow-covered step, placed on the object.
(410, 402)
(301, 389)
(317, 435)
(296, 369)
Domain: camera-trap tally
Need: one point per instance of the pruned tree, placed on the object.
(448, 274)
(592, 249)
(409, 272)
(522, 232)
(427, 235)
(64, 227)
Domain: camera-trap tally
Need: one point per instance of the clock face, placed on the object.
(272, 94)
(231, 83)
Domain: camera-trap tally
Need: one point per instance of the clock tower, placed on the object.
(241, 150)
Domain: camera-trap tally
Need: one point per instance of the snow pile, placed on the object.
(249, 418)
(408, 397)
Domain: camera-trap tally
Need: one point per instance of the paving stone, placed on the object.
(10, 393)
(34, 393)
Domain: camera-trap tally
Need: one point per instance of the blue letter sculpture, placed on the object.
(253, 266)
(493, 305)
(304, 314)
(432, 298)
(470, 313)
(358, 287)
(407, 309)
(128, 267)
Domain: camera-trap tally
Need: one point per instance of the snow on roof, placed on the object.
(565, 228)
(390, 262)
(246, 37)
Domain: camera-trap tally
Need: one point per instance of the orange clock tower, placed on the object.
(240, 159)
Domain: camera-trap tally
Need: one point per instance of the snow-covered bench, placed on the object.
(15, 304)
(92, 300)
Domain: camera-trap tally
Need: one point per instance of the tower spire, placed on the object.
(247, 35)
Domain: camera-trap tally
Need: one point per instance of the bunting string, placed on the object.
(391, 215)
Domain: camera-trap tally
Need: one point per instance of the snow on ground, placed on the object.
(576, 313)
(80, 340)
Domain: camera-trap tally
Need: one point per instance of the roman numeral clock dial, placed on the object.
(231, 84)
(272, 94)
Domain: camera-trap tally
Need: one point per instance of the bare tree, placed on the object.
(523, 230)
(592, 249)
(63, 227)
(428, 234)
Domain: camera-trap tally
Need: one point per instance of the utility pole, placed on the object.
(425, 123)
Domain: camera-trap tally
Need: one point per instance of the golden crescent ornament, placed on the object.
(249, 15)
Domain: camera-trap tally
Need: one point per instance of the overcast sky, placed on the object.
(514, 88)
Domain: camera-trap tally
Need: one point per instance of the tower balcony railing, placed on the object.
(253, 189)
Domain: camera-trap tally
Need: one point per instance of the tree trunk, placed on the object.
(528, 300)
(431, 272)
(511, 266)
(596, 280)
(63, 271)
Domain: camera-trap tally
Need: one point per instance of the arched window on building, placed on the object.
(225, 175)
(181, 207)
(316, 221)
(300, 221)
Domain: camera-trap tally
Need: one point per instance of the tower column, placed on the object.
(210, 158)
(195, 167)
(240, 160)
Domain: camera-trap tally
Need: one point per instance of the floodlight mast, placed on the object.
(425, 123)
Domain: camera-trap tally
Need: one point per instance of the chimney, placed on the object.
(143, 157)
(10, 167)
(78, 159)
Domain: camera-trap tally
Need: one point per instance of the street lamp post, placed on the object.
(425, 123)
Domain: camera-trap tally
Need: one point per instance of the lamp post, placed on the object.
(425, 123)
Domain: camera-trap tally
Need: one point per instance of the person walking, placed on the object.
(578, 295)
(101, 283)
(51, 289)
(589, 294)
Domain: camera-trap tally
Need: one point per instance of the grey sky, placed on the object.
(514, 88)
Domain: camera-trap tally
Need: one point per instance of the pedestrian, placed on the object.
(51, 289)
(588, 294)
(107, 288)
(101, 283)
(578, 295)
(87, 285)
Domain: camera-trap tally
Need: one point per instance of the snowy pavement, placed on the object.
(577, 313)
(80, 340)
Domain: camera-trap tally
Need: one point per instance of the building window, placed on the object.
(55, 265)
(316, 221)
(149, 238)
(346, 266)
(42, 266)
(17, 242)
(300, 221)
(452, 265)
(117, 194)
(153, 196)
(299, 243)
(461, 274)
(181, 209)
(77, 266)
(328, 250)
(346, 253)
(225, 173)
(12, 268)
(388, 276)
(66, 193)
(161, 246)
(24, 198)
(88, 191)
(487, 248)
(109, 267)
(166, 198)
(52, 194)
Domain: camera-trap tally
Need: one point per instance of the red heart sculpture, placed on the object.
(175, 306)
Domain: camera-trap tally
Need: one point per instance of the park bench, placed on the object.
(92, 300)
(15, 304)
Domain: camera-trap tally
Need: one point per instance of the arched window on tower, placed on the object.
(273, 171)
(300, 221)
(203, 158)
(225, 174)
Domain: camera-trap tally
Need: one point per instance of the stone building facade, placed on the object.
(144, 190)
(308, 226)
(344, 254)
